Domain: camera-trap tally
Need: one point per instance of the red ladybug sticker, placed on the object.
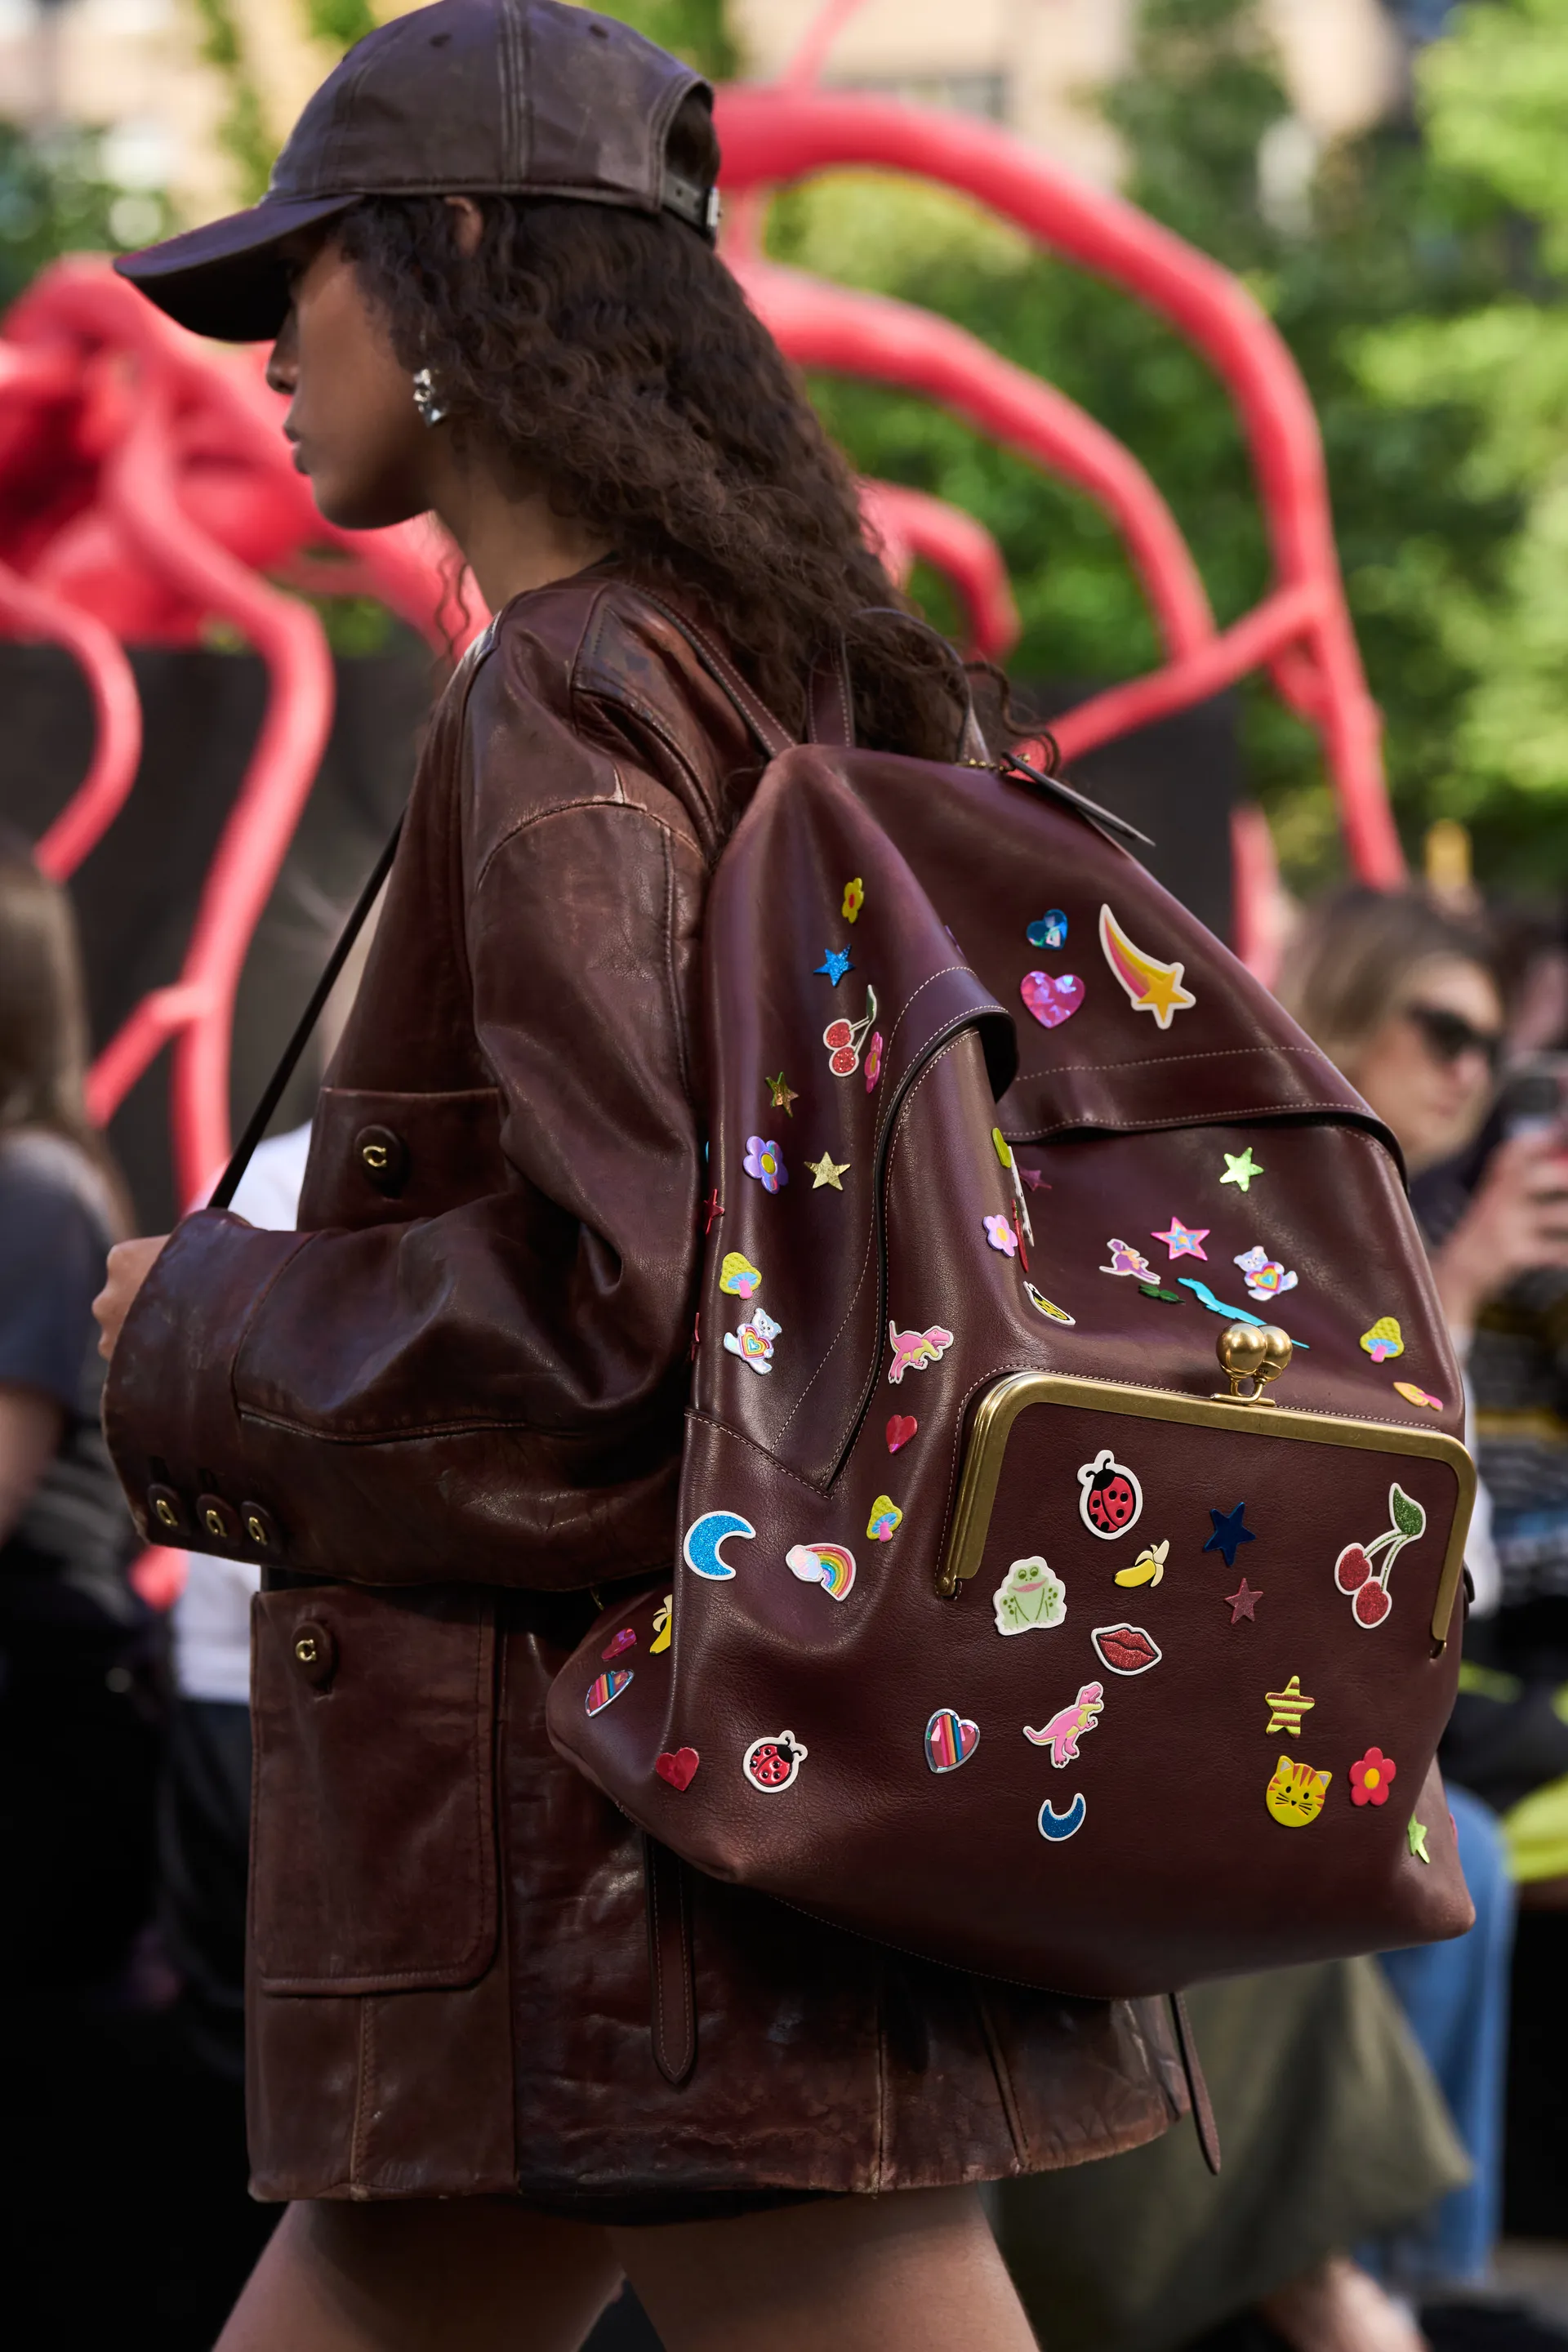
(773, 1763)
(1109, 1497)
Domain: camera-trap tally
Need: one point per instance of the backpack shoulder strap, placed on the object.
(771, 735)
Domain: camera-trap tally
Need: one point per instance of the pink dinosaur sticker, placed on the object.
(913, 1350)
(1064, 1731)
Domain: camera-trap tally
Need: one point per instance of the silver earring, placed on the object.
(427, 399)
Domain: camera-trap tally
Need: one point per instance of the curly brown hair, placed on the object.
(614, 356)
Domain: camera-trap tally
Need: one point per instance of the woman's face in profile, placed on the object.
(1428, 1068)
(351, 419)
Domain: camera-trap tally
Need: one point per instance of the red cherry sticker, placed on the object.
(1352, 1567)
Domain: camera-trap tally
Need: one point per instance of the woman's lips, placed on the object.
(1125, 1649)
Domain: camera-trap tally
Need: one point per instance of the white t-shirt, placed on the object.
(212, 1615)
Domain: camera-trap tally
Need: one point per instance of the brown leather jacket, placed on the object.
(441, 1413)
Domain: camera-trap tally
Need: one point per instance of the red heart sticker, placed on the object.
(680, 1769)
(901, 1429)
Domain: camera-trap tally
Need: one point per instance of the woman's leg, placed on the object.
(469, 2274)
(919, 2269)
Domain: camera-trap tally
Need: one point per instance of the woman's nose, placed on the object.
(283, 366)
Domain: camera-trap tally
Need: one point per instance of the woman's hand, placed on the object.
(129, 1263)
(1518, 1219)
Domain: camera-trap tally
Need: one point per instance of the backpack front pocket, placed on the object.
(372, 1830)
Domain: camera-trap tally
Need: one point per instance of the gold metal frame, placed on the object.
(1012, 1395)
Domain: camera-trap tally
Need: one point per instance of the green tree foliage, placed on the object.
(54, 198)
(244, 132)
(1382, 232)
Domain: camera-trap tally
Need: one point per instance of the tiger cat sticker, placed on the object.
(1295, 1795)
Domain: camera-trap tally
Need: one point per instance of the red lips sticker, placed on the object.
(1126, 1649)
(680, 1769)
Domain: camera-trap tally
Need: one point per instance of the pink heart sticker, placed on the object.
(901, 1429)
(1052, 997)
(678, 1769)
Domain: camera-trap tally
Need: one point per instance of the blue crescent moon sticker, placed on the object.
(701, 1550)
(1056, 1826)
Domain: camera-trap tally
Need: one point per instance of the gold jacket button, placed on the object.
(216, 1519)
(166, 1509)
(260, 1528)
(383, 1156)
(314, 1652)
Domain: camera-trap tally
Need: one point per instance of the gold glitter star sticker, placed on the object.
(1416, 1834)
(782, 1095)
(826, 1170)
(1241, 1168)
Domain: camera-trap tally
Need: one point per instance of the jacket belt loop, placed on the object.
(671, 1975)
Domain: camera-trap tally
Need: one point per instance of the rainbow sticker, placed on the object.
(604, 1687)
(828, 1565)
(1152, 986)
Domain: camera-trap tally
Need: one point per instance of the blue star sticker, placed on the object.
(835, 964)
(1229, 1532)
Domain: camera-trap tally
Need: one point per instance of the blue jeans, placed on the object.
(1454, 1999)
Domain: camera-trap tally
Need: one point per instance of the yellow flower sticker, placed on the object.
(854, 899)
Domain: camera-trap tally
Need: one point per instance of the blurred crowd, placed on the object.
(1385, 2121)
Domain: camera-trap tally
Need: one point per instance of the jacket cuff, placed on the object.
(170, 1414)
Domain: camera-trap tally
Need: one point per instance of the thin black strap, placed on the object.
(1204, 2122)
(272, 1093)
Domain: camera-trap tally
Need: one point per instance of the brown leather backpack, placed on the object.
(1009, 1625)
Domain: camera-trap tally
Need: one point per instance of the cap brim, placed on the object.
(229, 278)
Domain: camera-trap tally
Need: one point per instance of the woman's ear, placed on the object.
(470, 224)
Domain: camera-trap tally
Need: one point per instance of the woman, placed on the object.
(78, 1740)
(453, 1404)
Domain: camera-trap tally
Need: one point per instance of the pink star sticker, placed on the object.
(1184, 1241)
(1244, 1604)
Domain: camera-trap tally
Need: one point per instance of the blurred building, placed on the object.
(135, 68)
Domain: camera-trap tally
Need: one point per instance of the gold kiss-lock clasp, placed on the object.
(1251, 1355)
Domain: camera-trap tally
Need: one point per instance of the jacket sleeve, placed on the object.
(494, 1393)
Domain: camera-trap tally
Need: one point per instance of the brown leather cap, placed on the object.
(520, 97)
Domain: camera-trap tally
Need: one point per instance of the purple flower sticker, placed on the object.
(1001, 1236)
(764, 1160)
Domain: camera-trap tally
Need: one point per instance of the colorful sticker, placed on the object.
(764, 1160)
(1206, 1298)
(702, 1550)
(1230, 1530)
(1045, 1306)
(1065, 1728)
(1150, 1290)
(901, 1427)
(1125, 1259)
(1416, 1837)
(679, 1768)
(663, 1626)
(1001, 1236)
(1241, 1168)
(714, 1209)
(1034, 1178)
(1152, 986)
(844, 1039)
(1182, 1241)
(1051, 931)
(951, 1739)
(1126, 1649)
(1286, 1708)
(1413, 1395)
(1030, 1597)
(854, 899)
(1002, 1148)
(606, 1687)
(753, 1340)
(1052, 997)
(1149, 1568)
(772, 1764)
(885, 1521)
(873, 1061)
(782, 1095)
(827, 1170)
(1372, 1778)
(1295, 1794)
(835, 964)
(1384, 1339)
(1243, 1602)
(1057, 1826)
(625, 1640)
(1370, 1600)
(737, 1274)
(1266, 1277)
(913, 1350)
(828, 1565)
(1109, 1497)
